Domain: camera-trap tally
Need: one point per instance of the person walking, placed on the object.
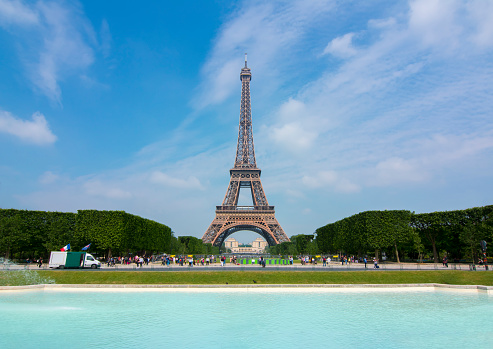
(366, 261)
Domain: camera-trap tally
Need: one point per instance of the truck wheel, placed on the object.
(94, 266)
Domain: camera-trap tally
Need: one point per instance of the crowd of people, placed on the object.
(169, 260)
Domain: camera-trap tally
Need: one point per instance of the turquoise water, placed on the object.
(45, 319)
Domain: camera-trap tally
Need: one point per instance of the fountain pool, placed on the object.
(243, 318)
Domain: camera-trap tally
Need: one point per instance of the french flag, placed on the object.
(65, 248)
(85, 248)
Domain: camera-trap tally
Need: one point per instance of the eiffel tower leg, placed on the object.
(229, 221)
(211, 233)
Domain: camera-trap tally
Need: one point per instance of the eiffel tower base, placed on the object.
(259, 219)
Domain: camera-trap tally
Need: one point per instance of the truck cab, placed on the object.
(91, 262)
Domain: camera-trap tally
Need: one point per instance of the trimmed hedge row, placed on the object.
(32, 234)
(456, 234)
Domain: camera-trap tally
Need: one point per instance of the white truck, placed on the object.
(76, 260)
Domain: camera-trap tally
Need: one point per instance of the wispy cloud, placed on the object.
(35, 131)
(55, 40)
(330, 179)
(14, 12)
(107, 190)
(49, 178)
(162, 178)
(269, 30)
(398, 87)
(341, 46)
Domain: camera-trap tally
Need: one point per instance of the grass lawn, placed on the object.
(456, 277)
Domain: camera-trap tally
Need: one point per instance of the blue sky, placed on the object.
(356, 106)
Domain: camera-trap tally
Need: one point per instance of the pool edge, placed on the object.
(272, 287)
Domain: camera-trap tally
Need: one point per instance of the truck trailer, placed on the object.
(74, 260)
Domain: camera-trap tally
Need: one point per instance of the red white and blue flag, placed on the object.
(65, 248)
(85, 248)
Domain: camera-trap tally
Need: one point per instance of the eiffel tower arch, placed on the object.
(260, 217)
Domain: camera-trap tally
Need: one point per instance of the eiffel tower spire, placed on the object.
(245, 153)
(230, 217)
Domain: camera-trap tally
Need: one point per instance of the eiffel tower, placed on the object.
(230, 217)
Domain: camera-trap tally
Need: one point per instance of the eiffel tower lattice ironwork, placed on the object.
(230, 217)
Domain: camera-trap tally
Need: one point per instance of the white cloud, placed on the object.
(341, 47)
(267, 31)
(55, 41)
(293, 137)
(34, 131)
(106, 190)
(49, 178)
(330, 179)
(397, 171)
(434, 21)
(306, 211)
(191, 182)
(481, 13)
(451, 24)
(14, 12)
(292, 110)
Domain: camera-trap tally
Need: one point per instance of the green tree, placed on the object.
(12, 236)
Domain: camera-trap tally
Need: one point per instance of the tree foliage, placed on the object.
(455, 233)
(26, 233)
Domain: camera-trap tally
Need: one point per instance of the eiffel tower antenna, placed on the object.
(230, 217)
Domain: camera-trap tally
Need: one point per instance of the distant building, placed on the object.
(257, 246)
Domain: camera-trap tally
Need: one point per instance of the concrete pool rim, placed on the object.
(255, 287)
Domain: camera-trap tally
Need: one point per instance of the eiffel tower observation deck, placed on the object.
(259, 217)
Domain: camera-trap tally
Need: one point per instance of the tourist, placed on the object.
(207, 260)
(324, 260)
(365, 260)
(40, 262)
(375, 263)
